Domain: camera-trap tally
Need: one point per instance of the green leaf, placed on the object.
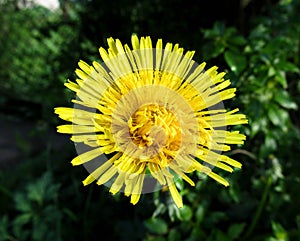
(179, 184)
(174, 235)
(220, 236)
(236, 61)
(154, 238)
(271, 239)
(276, 171)
(43, 189)
(279, 232)
(270, 143)
(281, 78)
(283, 98)
(156, 225)
(216, 217)
(197, 234)
(287, 66)
(217, 30)
(238, 40)
(200, 213)
(185, 213)
(39, 230)
(4, 235)
(36, 193)
(20, 224)
(22, 219)
(279, 117)
(271, 71)
(273, 114)
(235, 230)
(212, 50)
(219, 27)
(21, 203)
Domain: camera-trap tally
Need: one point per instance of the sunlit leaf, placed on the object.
(283, 98)
(279, 231)
(236, 61)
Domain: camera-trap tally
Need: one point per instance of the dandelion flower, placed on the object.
(150, 111)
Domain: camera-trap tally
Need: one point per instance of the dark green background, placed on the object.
(257, 42)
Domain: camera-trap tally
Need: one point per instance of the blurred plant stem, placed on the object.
(260, 207)
(11, 238)
(86, 211)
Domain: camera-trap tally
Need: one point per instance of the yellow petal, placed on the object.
(72, 86)
(135, 42)
(107, 175)
(104, 55)
(230, 161)
(85, 67)
(129, 185)
(218, 178)
(174, 193)
(119, 47)
(97, 173)
(136, 192)
(118, 183)
(112, 47)
(77, 129)
(156, 173)
(82, 75)
(86, 156)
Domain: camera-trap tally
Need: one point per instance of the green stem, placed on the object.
(85, 212)
(297, 55)
(260, 207)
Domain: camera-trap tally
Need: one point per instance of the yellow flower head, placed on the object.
(150, 112)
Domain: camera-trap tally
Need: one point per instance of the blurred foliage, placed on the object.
(256, 42)
(36, 48)
(37, 210)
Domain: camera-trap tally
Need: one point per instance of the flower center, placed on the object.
(154, 126)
